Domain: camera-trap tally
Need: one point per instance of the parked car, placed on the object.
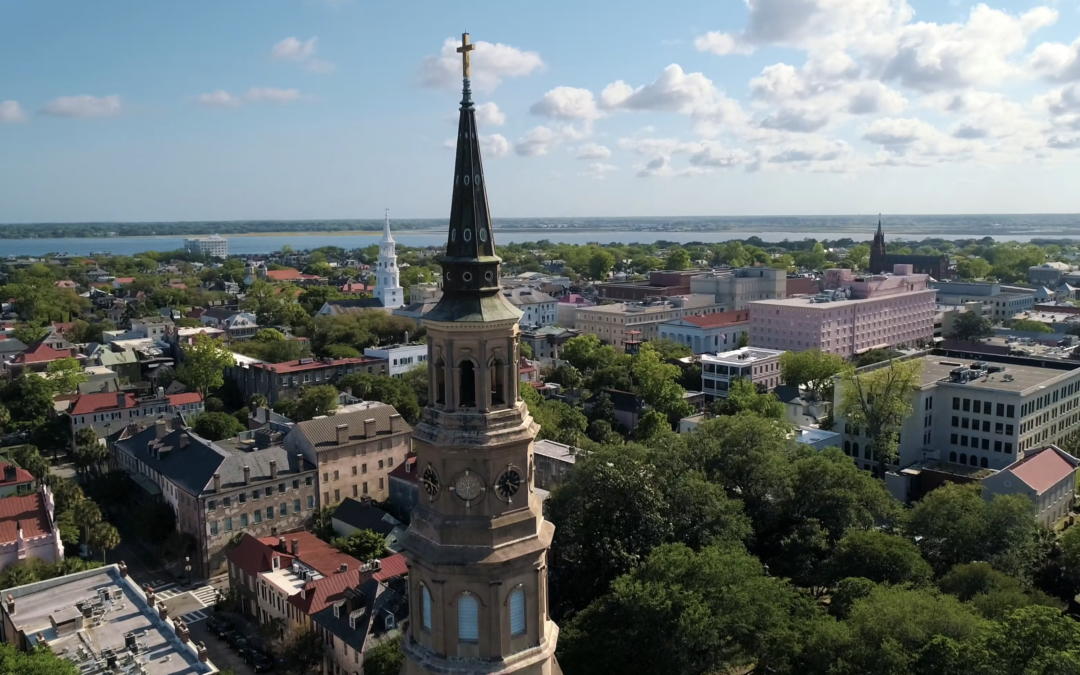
(259, 661)
(240, 644)
(215, 623)
(225, 630)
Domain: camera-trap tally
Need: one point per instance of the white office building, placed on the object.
(215, 246)
(401, 358)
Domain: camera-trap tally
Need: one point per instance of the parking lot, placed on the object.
(223, 656)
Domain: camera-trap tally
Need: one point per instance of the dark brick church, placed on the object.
(937, 266)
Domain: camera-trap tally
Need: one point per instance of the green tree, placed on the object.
(304, 654)
(859, 257)
(743, 396)
(86, 514)
(391, 391)
(89, 452)
(879, 401)
(28, 457)
(1029, 326)
(743, 341)
(657, 382)
(972, 326)
(713, 611)
(880, 557)
(385, 659)
(341, 351)
(103, 537)
(65, 375)
(972, 268)
(5, 418)
(268, 335)
(364, 545)
(38, 661)
(29, 398)
(316, 401)
(204, 365)
(600, 264)
(677, 259)
(217, 426)
(812, 370)
(416, 378)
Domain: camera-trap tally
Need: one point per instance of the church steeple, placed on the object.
(387, 275)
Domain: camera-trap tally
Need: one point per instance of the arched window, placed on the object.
(855, 450)
(982, 462)
(467, 393)
(517, 612)
(498, 388)
(963, 458)
(847, 447)
(440, 381)
(952, 456)
(468, 619)
(425, 601)
(974, 460)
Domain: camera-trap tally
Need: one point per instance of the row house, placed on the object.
(110, 412)
(276, 381)
(218, 490)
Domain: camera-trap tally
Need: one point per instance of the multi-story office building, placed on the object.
(399, 358)
(355, 451)
(612, 323)
(1004, 301)
(856, 315)
(979, 411)
(108, 413)
(660, 284)
(736, 288)
(214, 246)
(708, 333)
(276, 381)
(760, 366)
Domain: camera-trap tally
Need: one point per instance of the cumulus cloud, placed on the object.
(892, 132)
(567, 103)
(494, 145)
(224, 99)
(593, 151)
(83, 106)
(802, 120)
(660, 166)
(598, 171)
(537, 142)
(11, 112)
(302, 52)
(491, 64)
(488, 114)
(1057, 62)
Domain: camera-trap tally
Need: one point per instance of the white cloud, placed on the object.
(218, 99)
(223, 99)
(494, 145)
(83, 106)
(801, 120)
(716, 155)
(660, 166)
(537, 142)
(488, 114)
(491, 64)
(11, 112)
(593, 151)
(653, 147)
(302, 52)
(1057, 62)
(892, 132)
(598, 171)
(674, 91)
(567, 103)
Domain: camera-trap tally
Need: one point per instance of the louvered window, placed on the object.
(517, 612)
(468, 619)
(425, 599)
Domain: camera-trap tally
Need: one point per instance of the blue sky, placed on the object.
(304, 109)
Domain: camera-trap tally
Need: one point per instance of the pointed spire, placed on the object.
(386, 236)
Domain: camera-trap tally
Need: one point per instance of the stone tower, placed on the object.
(387, 288)
(477, 544)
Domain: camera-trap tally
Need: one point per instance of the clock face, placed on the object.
(430, 479)
(508, 484)
(468, 486)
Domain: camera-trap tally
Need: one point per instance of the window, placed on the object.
(326, 498)
(281, 487)
(425, 602)
(337, 495)
(211, 505)
(269, 512)
(517, 612)
(228, 524)
(363, 468)
(389, 461)
(243, 498)
(964, 441)
(243, 520)
(283, 510)
(355, 490)
(364, 488)
(258, 516)
(1008, 430)
(307, 481)
(967, 405)
(952, 456)
(986, 426)
(468, 617)
(955, 403)
(1000, 409)
(999, 428)
(255, 495)
(381, 483)
(269, 491)
(1008, 448)
(227, 502)
(354, 471)
(1010, 411)
(326, 477)
(985, 444)
(467, 390)
(955, 421)
(336, 474)
(296, 484)
(311, 501)
(997, 446)
(296, 506)
(380, 464)
(953, 438)
(964, 423)
(213, 527)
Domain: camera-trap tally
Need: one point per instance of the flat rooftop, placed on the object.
(1015, 378)
(742, 356)
(118, 608)
(807, 301)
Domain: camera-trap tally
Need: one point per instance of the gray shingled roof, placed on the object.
(322, 433)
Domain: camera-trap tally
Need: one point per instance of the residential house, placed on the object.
(157, 327)
(537, 308)
(547, 342)
(218, 490)
(108, 413)
(237, 324)
(1046, 476)
(276, 381)
(35, 359)
(355, 452)
(759, 366)
(353, 515)
(15, 480)
(28, 528)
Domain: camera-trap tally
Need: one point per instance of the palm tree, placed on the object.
(87, 514)
(105, 537)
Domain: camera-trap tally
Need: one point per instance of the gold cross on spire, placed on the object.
(464, 50)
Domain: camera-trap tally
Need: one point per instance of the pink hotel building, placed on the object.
(855, 315)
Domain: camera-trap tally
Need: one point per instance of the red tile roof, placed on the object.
(28, 511)
(41, 354)
(717, 319)
(92, 403)
(1042, 470)
(392, 566)
(124, 280)
(256, 555)
(314, 364)
(182, 399)
(21, 475)
(319, 594)
(287, 274)
(316, 553)
(356, 287)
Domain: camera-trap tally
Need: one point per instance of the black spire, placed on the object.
(470, 268)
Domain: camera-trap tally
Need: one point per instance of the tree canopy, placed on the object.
(204, 364)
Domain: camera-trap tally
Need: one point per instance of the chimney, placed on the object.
(273, 469)
(10, 604)
(369, 428)
(344, 567)
(163, 612)
(396, 423)
(299, 461)
(123, 568)
(182, 631)
(184, 440)
(121, 399)
(247, 475)
(201, 649)
(342, 434)
(217, 482)
(9, 472)
(161, 392)
(296, 548)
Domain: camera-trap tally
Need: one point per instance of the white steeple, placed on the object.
(387, 289)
